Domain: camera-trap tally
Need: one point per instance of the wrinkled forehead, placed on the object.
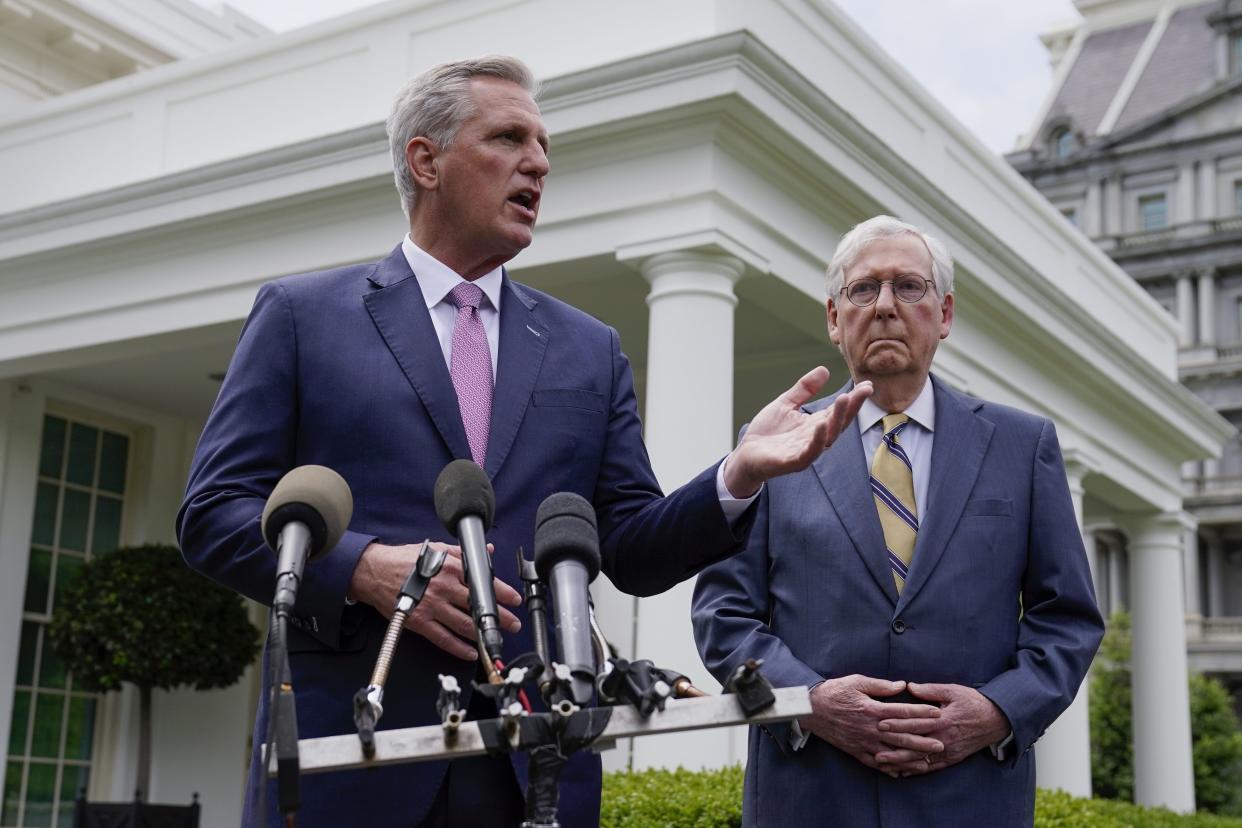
(903, 251)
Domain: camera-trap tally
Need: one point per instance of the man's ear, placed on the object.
(421, 156)
(834, 332)
(946, 320)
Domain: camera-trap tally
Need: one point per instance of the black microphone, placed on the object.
(567, 557)
(305, 516)
(465, 504)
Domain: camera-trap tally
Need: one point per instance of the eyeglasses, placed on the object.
(865, 292)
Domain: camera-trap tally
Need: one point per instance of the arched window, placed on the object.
(1064, 143)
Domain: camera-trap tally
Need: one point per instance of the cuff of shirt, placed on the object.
(1000, 750)
(733, 507)
(797, 736)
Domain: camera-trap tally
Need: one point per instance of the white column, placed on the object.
(1113, 223)
(1207, 189)
(1184, 205)
(21, 423)
(689, 426)
(1116, 577)
(1190, 582)
(1185, 311)
(1163, 771)
(1093, 211)
(1215, 572)
(1207, 306)
(1063, 753)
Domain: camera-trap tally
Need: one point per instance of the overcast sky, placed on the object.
(981, 58)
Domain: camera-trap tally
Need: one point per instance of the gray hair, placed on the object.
(435, 104)
(886, 227)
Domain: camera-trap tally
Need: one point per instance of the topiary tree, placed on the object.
(139, 614)
(1216, 740)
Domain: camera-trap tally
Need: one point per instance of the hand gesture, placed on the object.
(782, 438)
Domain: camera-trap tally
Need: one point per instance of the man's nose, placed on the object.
(535, 161)
(886, 302)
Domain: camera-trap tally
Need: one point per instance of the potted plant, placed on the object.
(140, 615)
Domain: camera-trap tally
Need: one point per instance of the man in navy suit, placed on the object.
(925, 577)
(386, 372)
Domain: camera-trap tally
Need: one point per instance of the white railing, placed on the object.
(1222, 630)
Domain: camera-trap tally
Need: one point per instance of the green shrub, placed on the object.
(681, 798)
(713, 799)
(1216, 741)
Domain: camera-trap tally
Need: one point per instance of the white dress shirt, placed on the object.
(436, 280)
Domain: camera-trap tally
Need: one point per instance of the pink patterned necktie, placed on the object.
(470, 366)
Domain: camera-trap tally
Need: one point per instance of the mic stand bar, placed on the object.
(428, 743)
(288, 777)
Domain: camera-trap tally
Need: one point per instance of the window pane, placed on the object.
(38, 580)
(12, 793)
(82, 443)
(112, 458)
(26, 654)
(49, 710)
(1152, 212)
(1237, 197)
(40, 793)
(73, 520)
(52, 669)
(73, 782)
(106, 535)
(20, 723)
(81, 729)
(67, 566)
(45, 515)
(53, 451)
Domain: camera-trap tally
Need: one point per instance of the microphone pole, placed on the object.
(567, 558)
(304, 517)
(465, 504)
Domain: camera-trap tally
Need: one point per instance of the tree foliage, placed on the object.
(139, 614)
(1215, 735)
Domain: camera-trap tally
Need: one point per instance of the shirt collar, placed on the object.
(921, 411)
(436, 279)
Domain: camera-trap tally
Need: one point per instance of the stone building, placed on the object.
(1139, 146)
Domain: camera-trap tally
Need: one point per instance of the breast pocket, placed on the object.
(580, 398)
(989, 507)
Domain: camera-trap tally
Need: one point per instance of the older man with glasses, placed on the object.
(925, 577)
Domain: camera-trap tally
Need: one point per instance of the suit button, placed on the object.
(899, 626)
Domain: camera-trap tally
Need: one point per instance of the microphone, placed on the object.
(567, 557)
(305, 516)
(465, 504)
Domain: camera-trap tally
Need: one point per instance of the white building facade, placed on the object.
(703, 170)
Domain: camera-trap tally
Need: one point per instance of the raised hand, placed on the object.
(443, 616)
(782, 438)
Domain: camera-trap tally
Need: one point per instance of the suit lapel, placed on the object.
(400, 314)
(523, 342)
(842, 471)
(961, 440)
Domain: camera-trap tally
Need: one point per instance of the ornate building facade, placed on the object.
(1139, 145)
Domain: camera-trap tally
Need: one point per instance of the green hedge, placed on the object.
(713, 799)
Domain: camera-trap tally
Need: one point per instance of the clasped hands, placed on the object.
(903, 739)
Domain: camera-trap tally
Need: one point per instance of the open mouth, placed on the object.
(526, 201)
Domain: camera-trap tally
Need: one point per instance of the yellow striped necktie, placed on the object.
(892, 484)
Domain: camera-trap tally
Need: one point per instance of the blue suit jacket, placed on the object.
(342, 368)
(999, 598)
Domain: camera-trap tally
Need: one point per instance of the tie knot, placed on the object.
(466, 295)
(894, 422)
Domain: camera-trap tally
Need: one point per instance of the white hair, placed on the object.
(886, 227)
(435, 104)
